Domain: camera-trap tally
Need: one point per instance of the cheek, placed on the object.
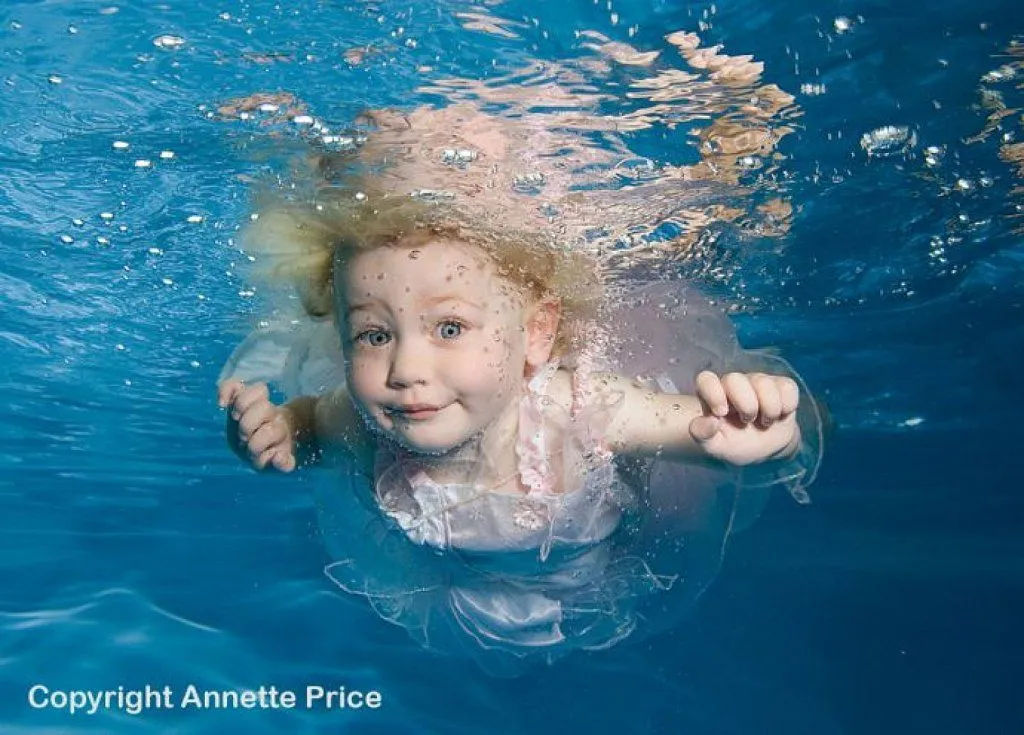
(503, 362)
(363, 376)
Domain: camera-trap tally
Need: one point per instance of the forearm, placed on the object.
(644, 422)
(650, 423)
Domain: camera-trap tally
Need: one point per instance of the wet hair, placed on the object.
(303, 244)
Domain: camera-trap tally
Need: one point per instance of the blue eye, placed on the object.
(449, 330)
(373, 338)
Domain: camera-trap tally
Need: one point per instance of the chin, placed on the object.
(436, 448)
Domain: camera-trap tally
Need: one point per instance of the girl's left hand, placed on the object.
(747, 417)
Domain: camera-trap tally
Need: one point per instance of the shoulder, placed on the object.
(578, 393)
(340, 426)
(560, 388)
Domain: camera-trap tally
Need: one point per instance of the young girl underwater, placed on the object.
(535, 461)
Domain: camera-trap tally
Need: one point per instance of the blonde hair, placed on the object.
(302, 244)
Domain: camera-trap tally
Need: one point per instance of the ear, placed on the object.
(542, 320)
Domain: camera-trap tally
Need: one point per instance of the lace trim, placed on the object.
(534, 468)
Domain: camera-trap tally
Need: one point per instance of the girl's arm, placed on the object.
(741, 418)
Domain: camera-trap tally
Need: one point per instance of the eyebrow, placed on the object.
(432, 301)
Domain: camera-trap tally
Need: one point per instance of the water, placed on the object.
(135, 550)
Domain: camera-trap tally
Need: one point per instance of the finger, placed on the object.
(789, 394)
(270, 435)
(741, 396)
(261, 460)
(704, 428)
(711, 393)
(228, 390)
(283, 460)
(252, 394)
(255, 417)
(769, 402)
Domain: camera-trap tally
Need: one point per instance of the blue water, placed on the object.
(134, 550)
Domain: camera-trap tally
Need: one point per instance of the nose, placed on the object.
(409, 364)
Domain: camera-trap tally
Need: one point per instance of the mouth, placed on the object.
(414, 412)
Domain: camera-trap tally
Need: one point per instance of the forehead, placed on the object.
(429, 269)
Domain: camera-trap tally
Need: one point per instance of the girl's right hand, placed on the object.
(257, 429)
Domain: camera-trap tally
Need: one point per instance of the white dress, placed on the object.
(509, 577)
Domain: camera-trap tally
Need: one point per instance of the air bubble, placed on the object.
(168, 42)
(888, 140)
(812, 89)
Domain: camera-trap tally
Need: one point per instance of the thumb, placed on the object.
(704, 428)
(228, 390)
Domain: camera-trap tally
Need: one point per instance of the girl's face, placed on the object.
(435, 342)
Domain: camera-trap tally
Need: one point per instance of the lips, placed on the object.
(414, 411)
